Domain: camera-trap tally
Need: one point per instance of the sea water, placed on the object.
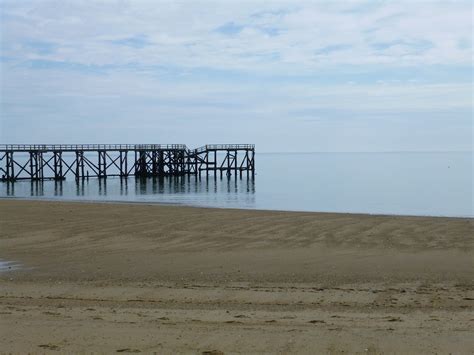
(428, 184)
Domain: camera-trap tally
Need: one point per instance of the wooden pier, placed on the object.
(56, 161)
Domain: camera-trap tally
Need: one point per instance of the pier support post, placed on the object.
(235, 163)
(123, 163)
(58, 165)
(161, 163)
(102, 156)
(253, 163)
(79, 164)
(10, 166)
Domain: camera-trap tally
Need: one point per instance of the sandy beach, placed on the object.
(171, 279)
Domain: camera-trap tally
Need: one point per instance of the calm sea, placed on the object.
(433, 184)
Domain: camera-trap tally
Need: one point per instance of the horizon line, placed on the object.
(356, 152)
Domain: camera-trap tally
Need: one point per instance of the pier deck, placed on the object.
(56, 161)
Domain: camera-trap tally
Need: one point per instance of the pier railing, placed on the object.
(95, 147)
(88, 147)
(208, 147)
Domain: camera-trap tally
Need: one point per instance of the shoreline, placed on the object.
(176, 204)
(178, 279)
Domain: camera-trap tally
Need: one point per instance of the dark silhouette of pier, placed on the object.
(56, 161)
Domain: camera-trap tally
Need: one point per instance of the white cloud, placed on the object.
(184, 33)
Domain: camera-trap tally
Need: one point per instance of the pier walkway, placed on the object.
(56, 161)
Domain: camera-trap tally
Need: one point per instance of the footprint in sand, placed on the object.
(128, 350)
(241, 316)
(49, 346)
(212, 352)
(394, 319)
(49, 313)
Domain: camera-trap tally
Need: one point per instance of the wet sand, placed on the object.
(168, 279)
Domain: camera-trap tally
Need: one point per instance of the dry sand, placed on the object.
(166, 279)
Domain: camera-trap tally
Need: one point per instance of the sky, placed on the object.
(288, 76)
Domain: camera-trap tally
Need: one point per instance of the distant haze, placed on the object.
(287, 75)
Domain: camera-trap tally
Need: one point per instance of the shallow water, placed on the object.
(436, 184)
(8, 265)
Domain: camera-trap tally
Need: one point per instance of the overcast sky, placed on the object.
(287, 76)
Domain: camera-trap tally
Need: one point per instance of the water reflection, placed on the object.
(192, 185)
(37, 188)
(10, 188)
(58, 188)
(102, 187)
(123, 187)
(212, 191)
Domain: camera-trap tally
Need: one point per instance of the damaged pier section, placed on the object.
(56, 161)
